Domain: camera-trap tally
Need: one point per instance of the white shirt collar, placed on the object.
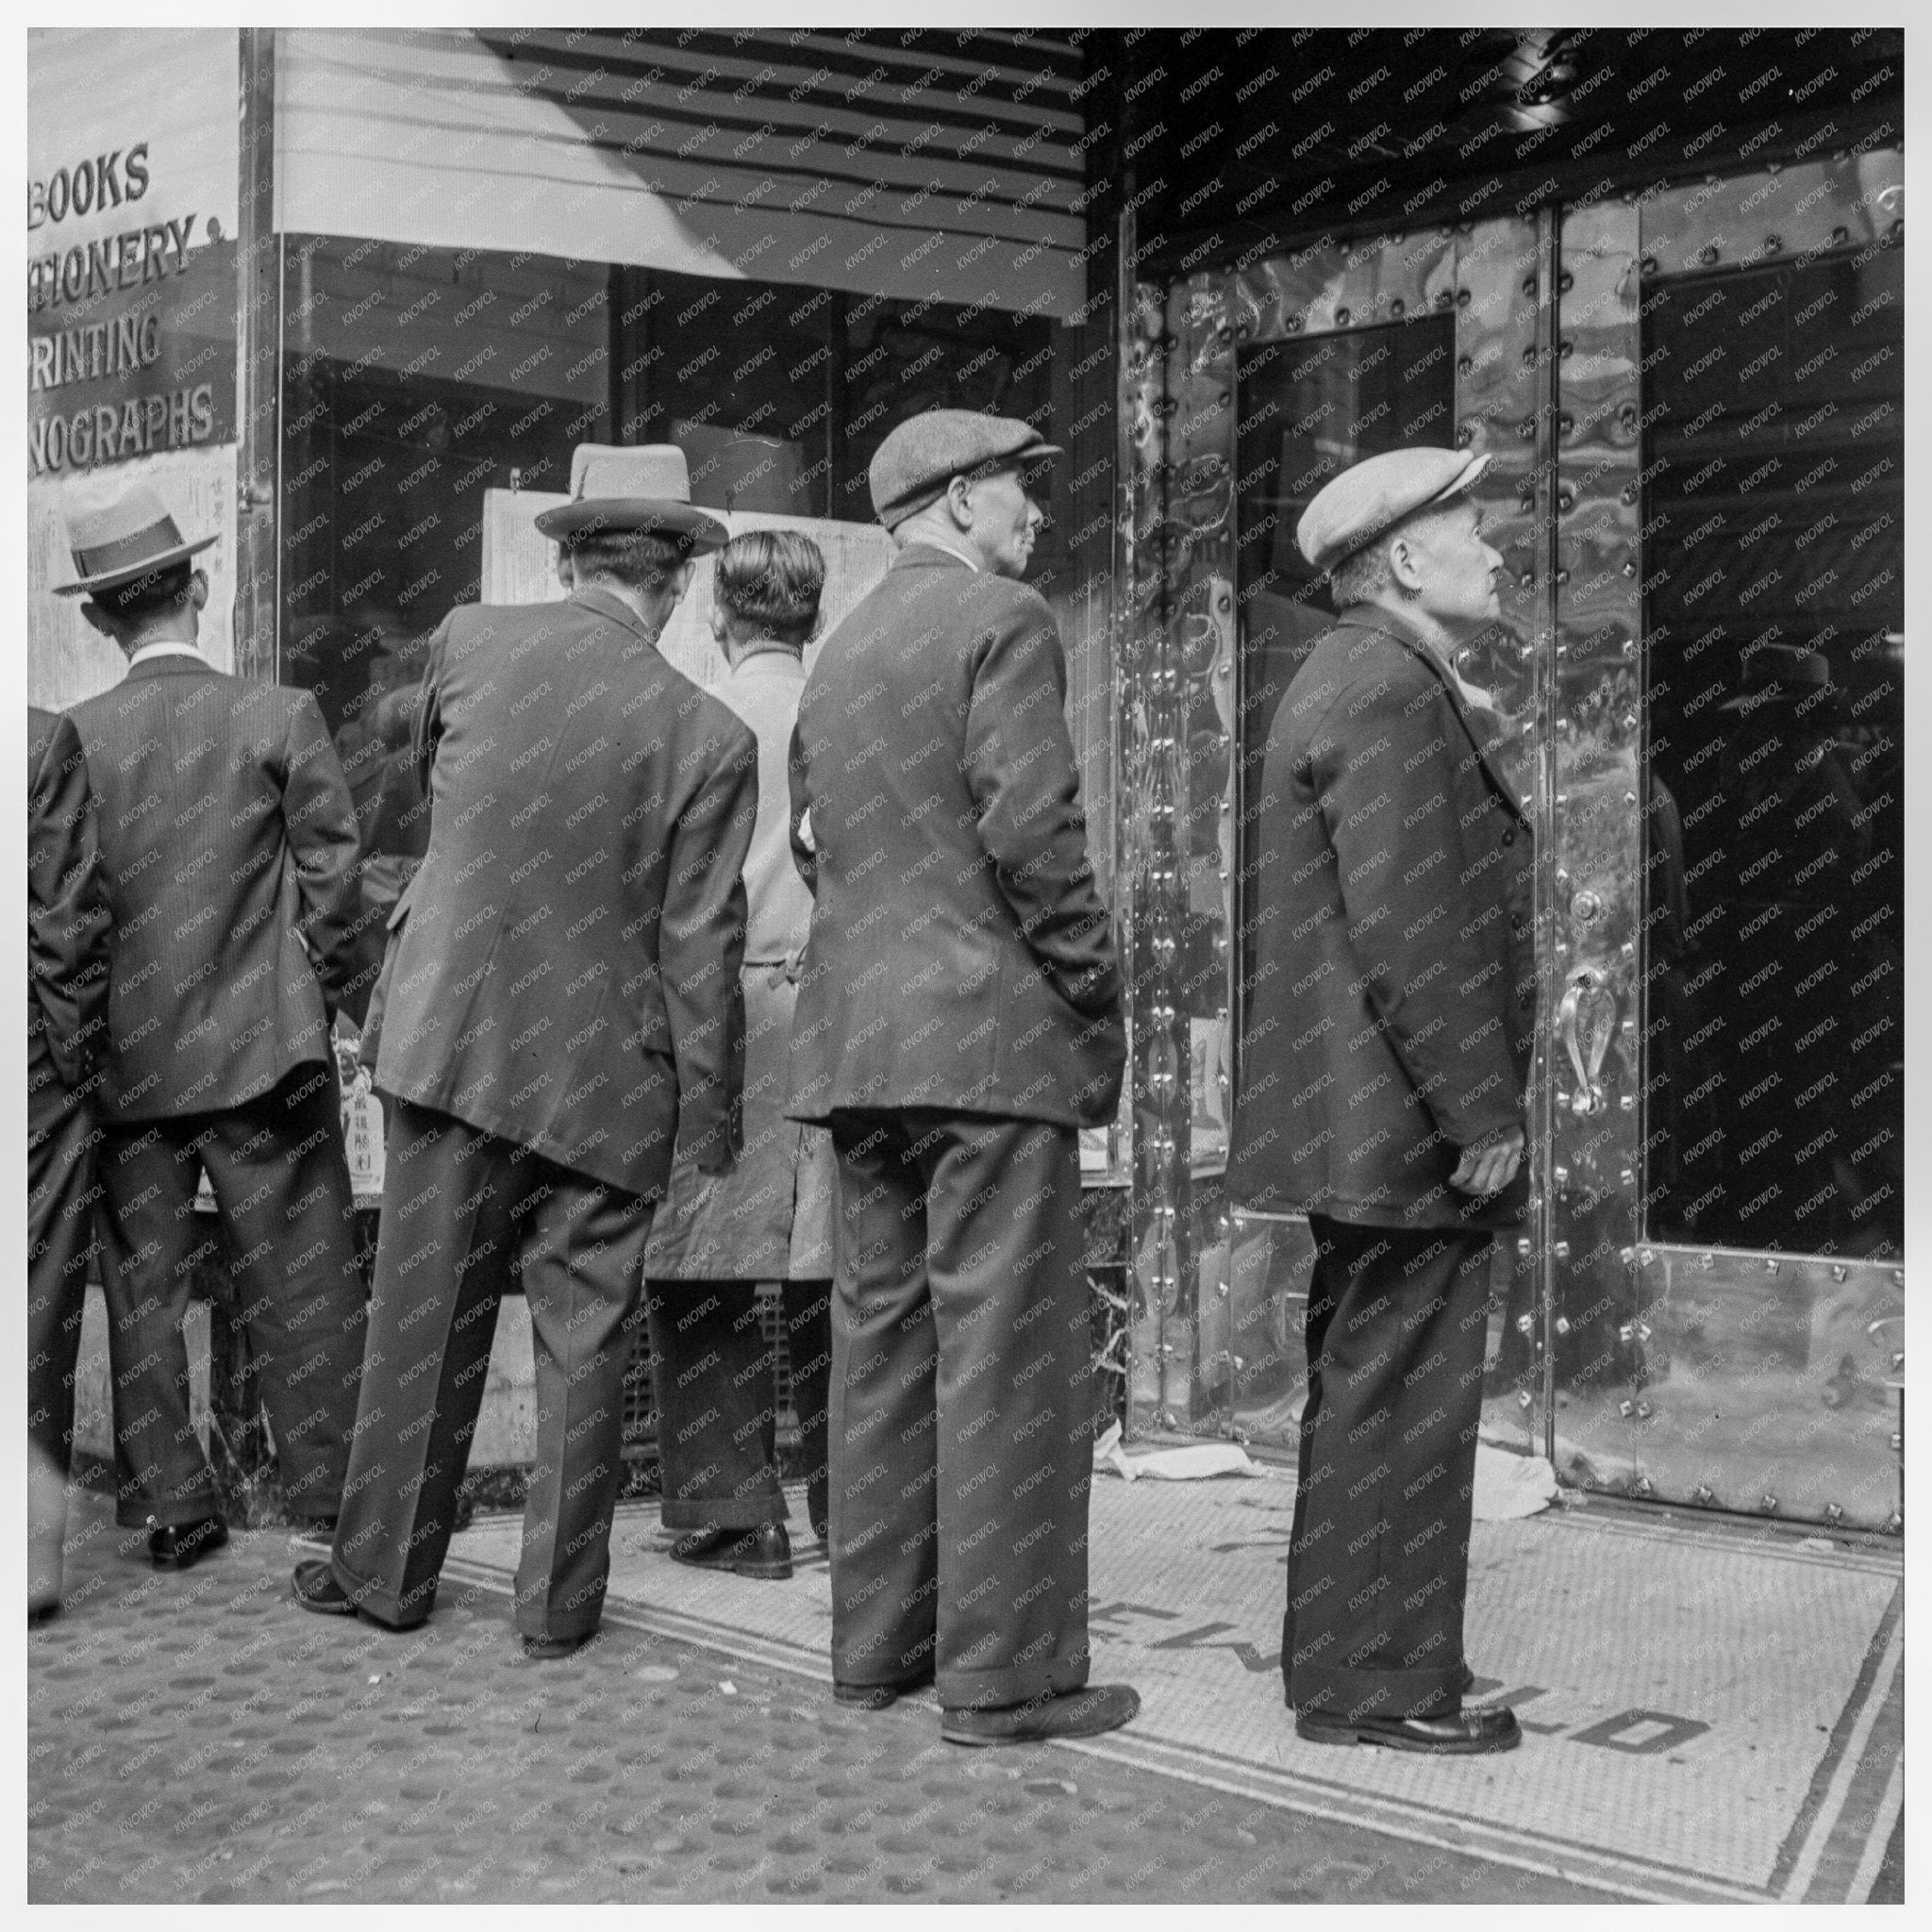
(965, 556)
(167, 649)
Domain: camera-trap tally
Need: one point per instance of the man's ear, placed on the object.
(98, 619)
(197, 591)
(958, 500)
(680, 578)
(719, 629)
(1403, 565)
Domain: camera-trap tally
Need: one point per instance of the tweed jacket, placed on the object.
(960, 957)
(66, 918)
(564, 965)
(1391, 1012)
(228, 851)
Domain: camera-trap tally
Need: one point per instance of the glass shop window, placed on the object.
(416, 378)
(1773, 517)
(1308, 408)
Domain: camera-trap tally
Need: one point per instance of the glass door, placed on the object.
(1726, 1161)
(1283, 373)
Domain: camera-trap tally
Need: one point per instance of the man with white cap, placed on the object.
(227, 845)
(1386, 1054)
(560, 1004)
(959, 1021)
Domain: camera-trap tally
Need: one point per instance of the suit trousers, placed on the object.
(1379, 1559)
(281, 1184)
(961, 1429)
(716, 1390)
(465, 1214)
(62, 1137)
(60, 1144)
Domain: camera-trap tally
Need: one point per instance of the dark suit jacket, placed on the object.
(228, 847)
(1392, 1009)
(565, 967)
(66, 921)
(960, 956)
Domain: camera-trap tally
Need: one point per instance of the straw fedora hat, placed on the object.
(133, 537)
(645, 488)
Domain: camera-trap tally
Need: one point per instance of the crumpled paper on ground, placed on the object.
(1507, 1486)
(1192, 1463)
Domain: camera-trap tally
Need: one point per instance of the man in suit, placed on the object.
(561, 1008)
(66, 1029)
(227, 848)
(958, 1019)
(1381, 1091)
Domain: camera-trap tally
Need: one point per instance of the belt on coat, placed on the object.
(776, 971)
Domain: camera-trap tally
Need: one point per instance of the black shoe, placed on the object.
(1060, 1714)
(1452, 1732)
(1465, 1684)
(181, 1545)
(765, 1550)
(878, 1696)
(315, 1588)
(547, 1649)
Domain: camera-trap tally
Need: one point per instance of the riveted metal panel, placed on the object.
(1833, 202)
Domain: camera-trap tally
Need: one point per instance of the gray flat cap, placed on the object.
(912, 467)
(1367, 498)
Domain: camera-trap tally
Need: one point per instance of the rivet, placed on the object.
(1766, 1501)
(1898, 1278)
(1839, 1271)
(1462, 298)
(1641, 1487)
(1529, 285)
(1703, 1494)
(1561, 1251)
(1626, 1330)
(1708, 254)
(1644, 1331)
(1562, 1325)
(1644, 1410)
(1647, 266)
(1628, 1256)
(1341, 318)
(1524, 1324)
(1840, 236)
(1771, 1265)
(1523, 1398)
(1895, 1522)
(1626, 1408)
(1522, 1248)
(1398, 306)
(1833, 1513)
(1774, 244)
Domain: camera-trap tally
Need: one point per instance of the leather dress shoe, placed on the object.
(878, 1696)
(765, 1550)
(549, 1649)
(1060, 1714)
(181, 1545)
(315, 1588)
(1466, 1683)
(1451, 1733)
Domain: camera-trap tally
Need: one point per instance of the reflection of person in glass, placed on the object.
(1794, 839)
(1387, 1051)
(716, 1237)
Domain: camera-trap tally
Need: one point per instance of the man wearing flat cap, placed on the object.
(959, 1021)
(560, 1010)
(1381, 1091)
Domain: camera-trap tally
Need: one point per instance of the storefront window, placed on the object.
(1774, 614)
(416, 378)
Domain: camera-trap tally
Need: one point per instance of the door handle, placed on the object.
(1588, 987)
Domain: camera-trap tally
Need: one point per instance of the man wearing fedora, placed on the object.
(1381, 1091)
(958, 1019)
(561, 1012)
(227, 847)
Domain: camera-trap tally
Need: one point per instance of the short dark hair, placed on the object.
(772, 578)
(635, 557)
(146, 595)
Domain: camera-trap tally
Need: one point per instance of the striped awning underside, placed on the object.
(927, 164)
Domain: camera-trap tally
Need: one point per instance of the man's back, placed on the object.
(225, 836)
(960, 956)
(569, 944)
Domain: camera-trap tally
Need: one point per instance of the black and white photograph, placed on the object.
(966, 960)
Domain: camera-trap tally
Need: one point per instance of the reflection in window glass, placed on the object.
(1773, 527)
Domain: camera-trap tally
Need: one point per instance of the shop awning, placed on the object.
(926, 164)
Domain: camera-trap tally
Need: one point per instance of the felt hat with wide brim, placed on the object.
(133, 537)
(646, 490)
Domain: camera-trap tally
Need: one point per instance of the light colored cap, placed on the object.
(1370, 497)
(645, 488)
(912, 467)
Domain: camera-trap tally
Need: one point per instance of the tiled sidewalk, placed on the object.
(1713, 1709)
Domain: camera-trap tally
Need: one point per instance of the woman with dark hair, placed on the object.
(716, 1238)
